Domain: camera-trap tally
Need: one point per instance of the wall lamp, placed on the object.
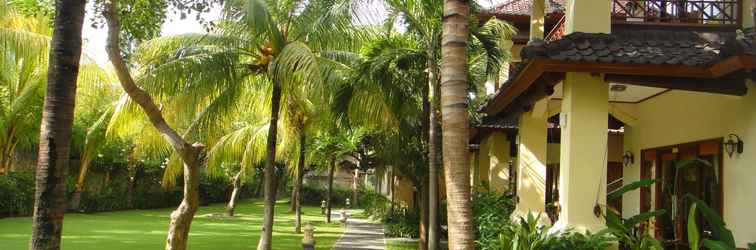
(733, 144)
(628, 158)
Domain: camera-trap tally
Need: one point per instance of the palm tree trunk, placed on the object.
(293, 196)
(181, 218)
(57, 123)
(330, 190)
(298, 184)
(424, 204)
(266, 239)
(455, 131)
(434, 151)
(236, 182)
(75, 201)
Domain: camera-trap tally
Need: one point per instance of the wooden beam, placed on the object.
(728, 86)
(551, 65)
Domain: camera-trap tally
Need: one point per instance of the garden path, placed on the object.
(361, 235)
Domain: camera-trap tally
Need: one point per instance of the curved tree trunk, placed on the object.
(57, 123)
(455, 124)
(236, 182)
(298, 184)
(330, 190)
(434, 151)
(270, 186)
(181, 218)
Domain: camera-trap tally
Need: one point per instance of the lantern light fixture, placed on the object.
(628, 158)
(733, 144)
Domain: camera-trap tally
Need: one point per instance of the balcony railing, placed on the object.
(678, 12)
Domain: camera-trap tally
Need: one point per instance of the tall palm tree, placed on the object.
(331, 147)
(57, 123)
(393, 54)
(286, 33)
(455, 123)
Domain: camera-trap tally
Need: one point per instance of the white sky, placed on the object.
(94, 38)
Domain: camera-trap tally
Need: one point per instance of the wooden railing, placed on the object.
(680, 12)
(556, 32)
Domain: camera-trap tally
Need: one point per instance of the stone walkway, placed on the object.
(361, 235)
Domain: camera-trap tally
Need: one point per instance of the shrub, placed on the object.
(491, 211)
(312, 195)
(16, 194)
(376, 205)
(527, 234)
(402, 224)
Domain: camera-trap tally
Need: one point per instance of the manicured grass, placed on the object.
(399, 244)
(146, 229)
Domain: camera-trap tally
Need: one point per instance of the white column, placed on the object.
(531, 167)
(591, 16)
(537, 20)
(584, 124)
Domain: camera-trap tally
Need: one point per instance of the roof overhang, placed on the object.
(538, 77)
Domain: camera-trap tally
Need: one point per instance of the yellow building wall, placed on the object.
(498, 164)
(404, 192)
(681, 116)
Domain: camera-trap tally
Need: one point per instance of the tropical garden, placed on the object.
(204, 140)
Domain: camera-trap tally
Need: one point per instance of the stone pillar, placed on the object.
(747, 13)
(582, 183)
(537, 20)
(531, 167)
(591, 16)
(497, 174)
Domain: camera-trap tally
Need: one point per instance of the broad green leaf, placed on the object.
(693, 235)
(717, 245)
(633, 221)
(616, 194)
(718, 226)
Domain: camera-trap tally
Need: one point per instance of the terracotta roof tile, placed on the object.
(638, 47)
(522, 7)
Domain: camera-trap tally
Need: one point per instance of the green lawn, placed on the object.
(395, 244)
(145, 229)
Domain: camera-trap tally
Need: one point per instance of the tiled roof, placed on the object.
(637, 47)
(522, 7)
(497, 123)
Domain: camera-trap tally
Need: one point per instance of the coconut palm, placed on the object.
(57, 124)
(286, 32)
(331, 147)
(455, 131)
(397, 60)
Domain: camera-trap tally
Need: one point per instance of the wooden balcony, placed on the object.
(688, 13)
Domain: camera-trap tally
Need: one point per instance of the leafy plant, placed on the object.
(629, 231)
(490, 210)
(722, 237)
(527, 234)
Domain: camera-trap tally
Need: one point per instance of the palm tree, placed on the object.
(57, 123)
(394, 59)
(285, 32)
(454, 93)
(331, 147)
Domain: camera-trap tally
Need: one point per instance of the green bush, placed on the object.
(16, 194)
(526, 234)
(314, 195)
(376, 205)
(491, 211)
(402, 224)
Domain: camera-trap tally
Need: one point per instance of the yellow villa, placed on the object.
(609, 92)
